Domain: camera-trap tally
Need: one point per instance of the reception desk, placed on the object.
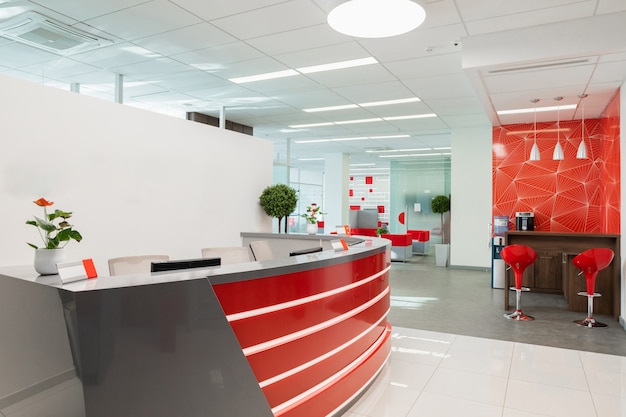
(553, 271)
(295, 336)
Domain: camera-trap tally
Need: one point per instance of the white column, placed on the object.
(75, 88)
(336, 186)
(222, 117)
(119, 88)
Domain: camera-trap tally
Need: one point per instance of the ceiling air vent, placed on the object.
(45, 33)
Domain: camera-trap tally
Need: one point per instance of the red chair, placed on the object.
(519, 257)
(590, 262)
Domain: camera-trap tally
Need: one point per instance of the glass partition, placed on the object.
(413, 185)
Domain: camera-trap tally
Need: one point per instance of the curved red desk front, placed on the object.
(298, 336)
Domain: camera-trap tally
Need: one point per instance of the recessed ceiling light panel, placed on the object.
(376, 18)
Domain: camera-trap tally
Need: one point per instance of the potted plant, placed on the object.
(311, 217)
(55, 232)
(382, 230)
(278, 200)
(441, 205)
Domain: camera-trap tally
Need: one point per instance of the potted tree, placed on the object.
(441, 205)
(278, 200)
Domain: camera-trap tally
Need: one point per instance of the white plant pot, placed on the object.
(46, 260)
(441, 254)
(311, 228)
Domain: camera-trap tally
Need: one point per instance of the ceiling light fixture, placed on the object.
(338, 65)
(375, 18)
(534, 151)
(557, 155)
(390, 102)
(532, 109)
(582, 148)
(331, 108)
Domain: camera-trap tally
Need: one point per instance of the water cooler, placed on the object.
(498, 267)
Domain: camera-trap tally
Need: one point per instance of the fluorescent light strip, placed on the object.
(390, 102)
(411, 116)
(331, 108)
(370, 104)
(410, 155)
(354, 138)
(363, 165)
(539, 109)
(401, 150)
(390, 137)
(304, 70)
(376, 119)
(312, 125)
(263, 77)
(517, 132)
(338, 65)
(311, 159)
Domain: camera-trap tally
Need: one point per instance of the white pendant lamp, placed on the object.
(582, 148)
(534, 151)
(375, 18)
(557, 155)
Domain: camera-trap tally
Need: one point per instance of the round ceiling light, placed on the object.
(376, 18)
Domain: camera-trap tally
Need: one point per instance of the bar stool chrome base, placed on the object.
(589, 321)
(518, 315)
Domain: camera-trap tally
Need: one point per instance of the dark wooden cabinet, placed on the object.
(553, 271)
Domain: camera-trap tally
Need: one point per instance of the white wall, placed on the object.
(137, 182)
(470, 210)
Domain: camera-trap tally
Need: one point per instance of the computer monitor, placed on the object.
(184, 264)
(305, 251)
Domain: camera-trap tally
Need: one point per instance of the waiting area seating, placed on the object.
(401, 245)
(261, 250)
(421, 240)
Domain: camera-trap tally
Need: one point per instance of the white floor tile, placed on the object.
(468, 385)
(433, 405)
(549, 400)
(443, 375)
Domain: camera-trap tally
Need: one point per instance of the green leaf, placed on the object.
(32, 246)
(31, 222)
(45, 225)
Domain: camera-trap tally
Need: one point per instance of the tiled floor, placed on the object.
(453, 354)
(432, 374)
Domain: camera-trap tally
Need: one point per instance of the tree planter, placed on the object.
(311, 228)
(441, 254)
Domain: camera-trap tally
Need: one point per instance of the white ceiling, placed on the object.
(469, 59)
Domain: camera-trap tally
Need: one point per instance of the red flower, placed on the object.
(42, 202)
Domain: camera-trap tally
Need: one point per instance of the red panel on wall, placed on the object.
(571, 195)
(369, 180)
(351, 193)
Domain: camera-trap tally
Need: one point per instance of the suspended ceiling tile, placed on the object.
(272, 19)
(190, 38)
(144, 20)
(215, 58)
(215, 9)
(310, 37)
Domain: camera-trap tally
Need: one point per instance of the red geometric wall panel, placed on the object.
(571, 195)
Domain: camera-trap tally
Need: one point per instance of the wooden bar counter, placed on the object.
(553, 271)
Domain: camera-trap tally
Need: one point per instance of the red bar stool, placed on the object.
(590, 262)
(519, 257)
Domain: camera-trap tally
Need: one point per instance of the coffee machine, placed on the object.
(525, 220)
